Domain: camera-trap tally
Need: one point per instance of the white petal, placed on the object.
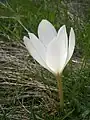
(46, 32)
(38, 46)
(62, 34)
(33, 51)
(71, 44)
(57, 51)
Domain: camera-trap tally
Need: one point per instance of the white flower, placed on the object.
(51, 49)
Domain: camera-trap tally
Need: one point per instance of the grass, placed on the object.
(28, 91)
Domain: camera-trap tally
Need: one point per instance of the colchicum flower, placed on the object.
(51, 49)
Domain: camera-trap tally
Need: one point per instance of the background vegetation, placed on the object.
(28, 91)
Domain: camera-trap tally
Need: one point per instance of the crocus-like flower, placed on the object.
(51, 49)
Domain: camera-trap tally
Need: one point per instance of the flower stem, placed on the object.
(60, 90)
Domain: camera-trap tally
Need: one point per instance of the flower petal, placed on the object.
(34, 53)
(39, 47)
(71, 44)
(57, 51)
(46, 32)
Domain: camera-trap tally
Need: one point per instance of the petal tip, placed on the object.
(72, 32)
(72, 29)
(63, 26)
(44, 20)
(31, 35)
